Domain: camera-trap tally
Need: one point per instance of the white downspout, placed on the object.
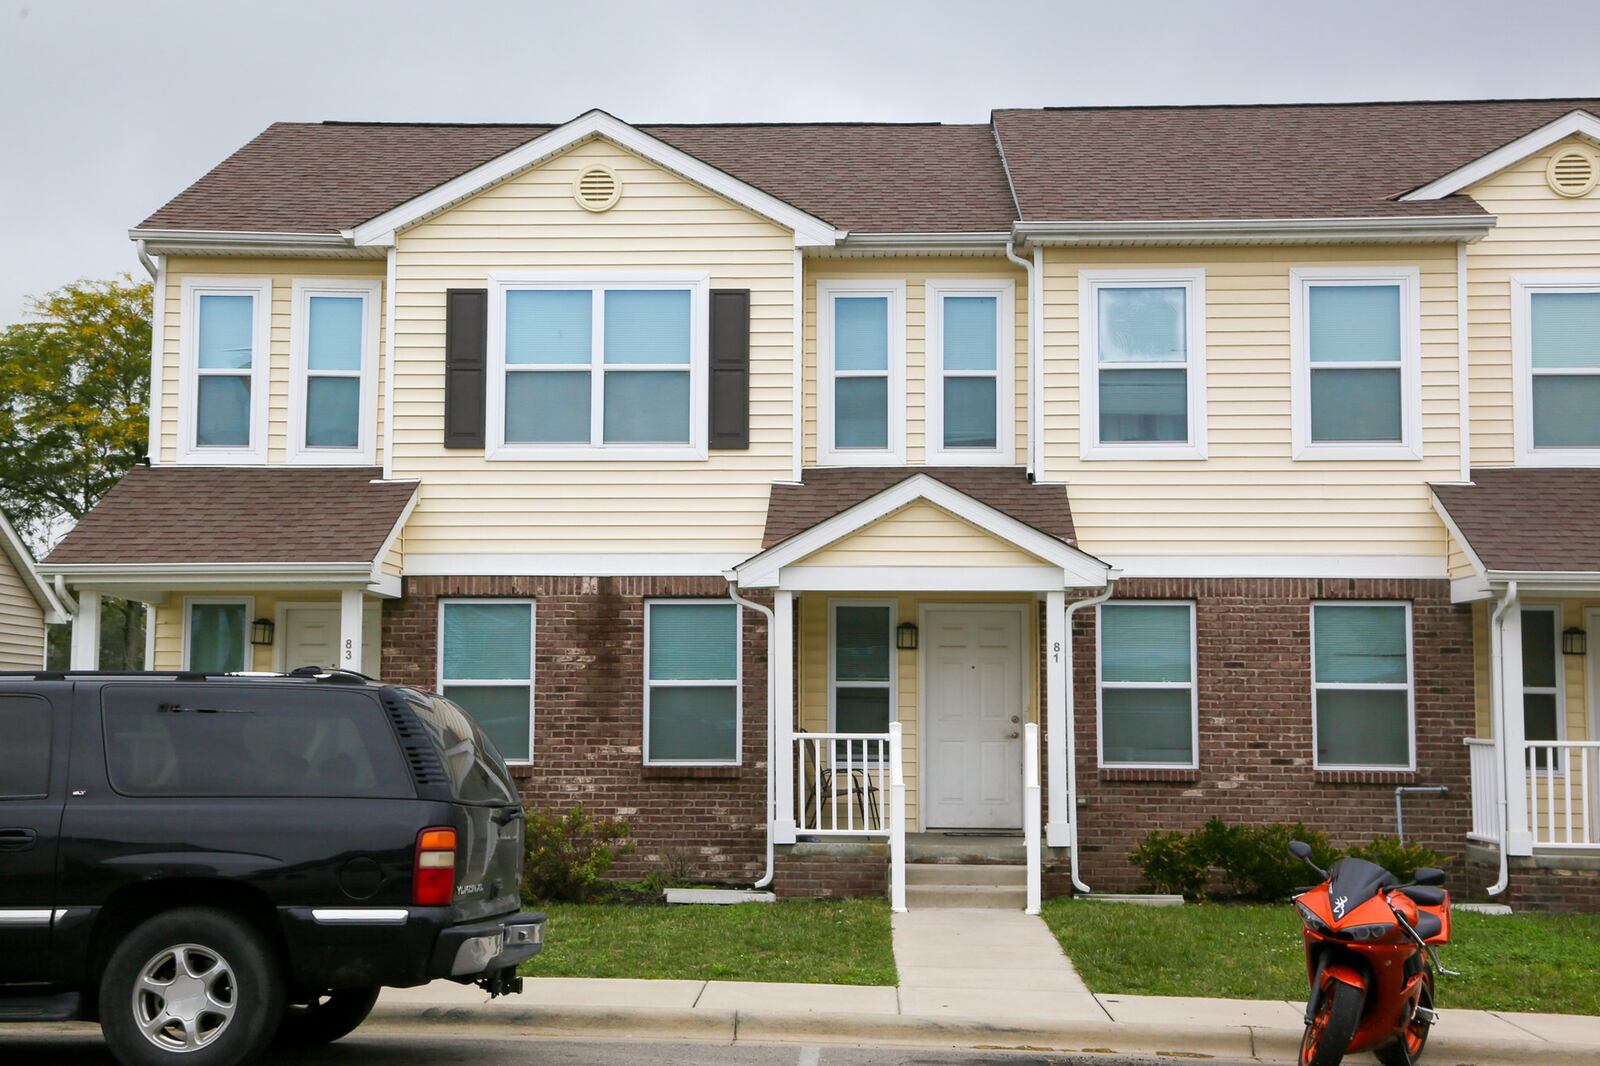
(733, 594)
(1033, 354)
(158, 327)
(1497, 712)
(1463, 369)
(1072, 731)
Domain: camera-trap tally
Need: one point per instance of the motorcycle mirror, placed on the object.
(1300, 850)
(1428, 875)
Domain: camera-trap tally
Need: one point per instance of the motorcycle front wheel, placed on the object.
(1332, 1026)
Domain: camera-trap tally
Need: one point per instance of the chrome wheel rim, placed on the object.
(184, 997)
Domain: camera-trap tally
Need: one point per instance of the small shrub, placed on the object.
(1172, 862)
(1257, 862)
(568, 854)
(1399, 859)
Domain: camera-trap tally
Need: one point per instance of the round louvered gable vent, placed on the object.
(597, 188)
(1572, 172)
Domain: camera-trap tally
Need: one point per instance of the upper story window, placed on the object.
(1142, 364)
(222, 389)
(1355, 345)
(1361, 686)
(333, 376)
(861, 360)
(971, 372)
(1555, 340)
(1149, 713)
(598, 368)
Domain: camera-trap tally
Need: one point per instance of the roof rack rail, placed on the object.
(331, 674)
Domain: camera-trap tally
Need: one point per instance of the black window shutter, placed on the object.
(730, 369)
(466, 366)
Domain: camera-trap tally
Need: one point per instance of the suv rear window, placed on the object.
(477, 772)
(250, 740)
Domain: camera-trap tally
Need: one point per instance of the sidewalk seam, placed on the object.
(1514, 1025)
(699, 994)
(1096, 997)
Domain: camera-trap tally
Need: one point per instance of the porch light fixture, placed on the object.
(261, 632)
(1574, 641)
(905, 636)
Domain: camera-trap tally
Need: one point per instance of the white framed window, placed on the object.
(1363, 701)
(1149, 712)
(693, 683)
(862, 671)
(861, 372)
(598, 366)
(216, 633)
(1356, 348)
(486, 664)
(1142, 366)
(224, 345)
(1543, 686)
(333, 370)
(971, 386)
(1555, 345)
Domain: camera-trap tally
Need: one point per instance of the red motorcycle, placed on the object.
(1370, 956)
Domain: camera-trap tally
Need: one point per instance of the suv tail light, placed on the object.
(433, 880)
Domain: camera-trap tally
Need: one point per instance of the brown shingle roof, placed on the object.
(1529, 520)
(825, 492)
(176, 514)
(325, 177)
(1254, 162)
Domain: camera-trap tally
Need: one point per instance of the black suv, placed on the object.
(205, 863)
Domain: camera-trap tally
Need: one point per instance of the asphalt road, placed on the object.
(30, 1046)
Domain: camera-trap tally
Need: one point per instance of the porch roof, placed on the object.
(1527, 521)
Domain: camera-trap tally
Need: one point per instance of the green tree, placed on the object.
(74, 384)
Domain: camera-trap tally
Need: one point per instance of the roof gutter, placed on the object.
(915, 243)
(1444, 228)
(249, 242)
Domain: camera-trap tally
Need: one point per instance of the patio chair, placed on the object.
(858, 784)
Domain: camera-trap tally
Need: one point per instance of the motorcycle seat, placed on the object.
(1428, 925)
(1426, 895)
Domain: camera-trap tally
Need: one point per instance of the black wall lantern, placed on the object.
(261, 631)
(905, 636)
(1574, 641)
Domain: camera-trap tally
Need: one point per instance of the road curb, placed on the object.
(623, 1021)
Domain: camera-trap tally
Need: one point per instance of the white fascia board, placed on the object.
(1368, 567)
(1455, 532)
(22, 561)
(570, 564)
(808, 230)
(802, 578)
(1446, 228)
(1080, 568)
(97, 574)
(245, 242)
(1577, 122)
(915, 244)
(394, 534)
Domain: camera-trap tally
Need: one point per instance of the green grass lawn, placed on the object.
(843, 942)
(1524, 962)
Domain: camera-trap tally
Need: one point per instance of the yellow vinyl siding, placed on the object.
(22, 630)
(811, 670)
(1574, 668)
(394, 559)
(1457, 563)
(916, 272)
(531, 223)
(1538, 231)
(1250, 497)
(283, 273)
(920, 534)
(170, 621)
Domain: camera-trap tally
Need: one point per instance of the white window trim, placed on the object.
(189, 371)
(1559, 690)
(504, 682)
(1409, 446)
(893, 684)
(1523, 287)
(1193, 685)
(370, 291)
(737, 684)
(698, 285)
(1193, 281)
(1410, 688)
(895, 453)
(1004, 453)
(249, 603)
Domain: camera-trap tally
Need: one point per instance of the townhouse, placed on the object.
(811, 493)
(27, 604)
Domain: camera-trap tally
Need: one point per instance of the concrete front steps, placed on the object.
(944, 884)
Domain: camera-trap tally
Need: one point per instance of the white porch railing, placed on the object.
(1560, 779)
(1485, 791)
(1032, 814)
(853, 785)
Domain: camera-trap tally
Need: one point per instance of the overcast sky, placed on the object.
(107, 109)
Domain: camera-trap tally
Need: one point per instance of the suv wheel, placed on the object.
(326, 1017)
(198, 986)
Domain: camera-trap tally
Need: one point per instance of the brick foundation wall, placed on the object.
(1253, 640)
(705, 824)
(1554, 889)
(839, 871)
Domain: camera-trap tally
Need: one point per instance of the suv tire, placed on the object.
(196, 986)
(326, 1018)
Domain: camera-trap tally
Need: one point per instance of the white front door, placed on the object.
(311, 637)
(973, 708)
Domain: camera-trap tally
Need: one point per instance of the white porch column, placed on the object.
(1519, 839)
(1058, 679)
(781, 757)
(85, 648)
(351, 619)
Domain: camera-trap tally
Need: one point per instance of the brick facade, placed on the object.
(702, 824)
(823, 871)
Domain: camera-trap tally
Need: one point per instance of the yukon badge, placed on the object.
(1338, 907)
